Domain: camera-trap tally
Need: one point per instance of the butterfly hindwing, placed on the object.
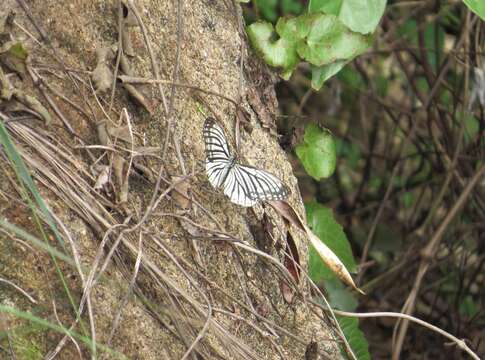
(244, 185)
(260, 184)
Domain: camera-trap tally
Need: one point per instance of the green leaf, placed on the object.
(268, 9)
(294, 29)
(472, 127)
(317, 152)
(291, 6)
(325, 6)
(468, 307)
(320, 74)
(361, 16)
(280, 53)
(329, 40)
(339, 296)
(434, 42)
(351, 78)
(355, 337)
(323, 224)
(477, 6)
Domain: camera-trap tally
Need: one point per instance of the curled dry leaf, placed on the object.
(9, 92)
(128, 17)
(5, 87)
(102, 75)
(14, 55)
(135, 94)
(120, 180)
(103, 177)
(180, 192)
(102, 131)
(140, 98)
(327, 255)
(121, 133)
(33, 104)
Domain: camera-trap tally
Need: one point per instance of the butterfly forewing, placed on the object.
(244, 185)
(218, 156)
(216, 146)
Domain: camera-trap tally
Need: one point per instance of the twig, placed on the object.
(175, 76)
(155, 69)
(461, 343)
(429, 250)
(382, 205)
(138, 80)
(118, 53)
(18, 288)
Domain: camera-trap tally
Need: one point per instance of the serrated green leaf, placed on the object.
(294, 29)
(361, 16)
(323, 224)
(477, 6)
(355, 337)
(320, 74)
(317, 152)
(329, 40)
(280, 53)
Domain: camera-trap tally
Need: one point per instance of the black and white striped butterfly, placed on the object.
(243, 184)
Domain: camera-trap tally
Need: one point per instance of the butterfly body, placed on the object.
(244, 185)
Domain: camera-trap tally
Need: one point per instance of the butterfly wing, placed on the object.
(218, 157)
(246, 185)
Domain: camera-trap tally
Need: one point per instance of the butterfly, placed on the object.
(244, 185)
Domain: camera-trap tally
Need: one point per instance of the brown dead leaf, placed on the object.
(292, 258)
(327, 255)
(292, 264)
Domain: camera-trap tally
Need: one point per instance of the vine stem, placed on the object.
(460, 342)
